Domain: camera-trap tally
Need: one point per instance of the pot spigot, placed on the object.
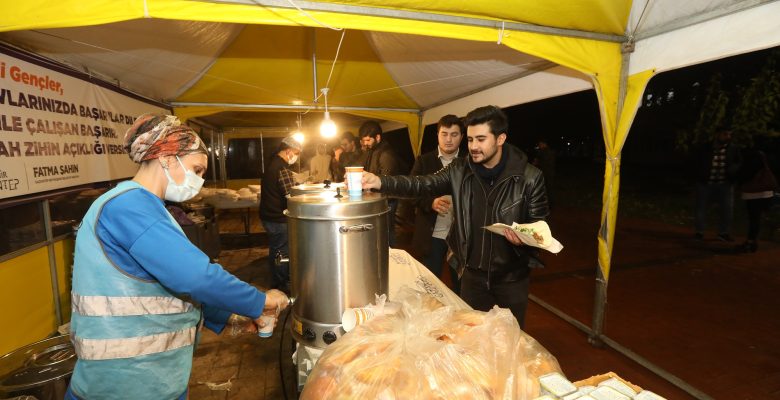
(281, 259)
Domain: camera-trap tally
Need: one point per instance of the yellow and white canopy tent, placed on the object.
(247, 63)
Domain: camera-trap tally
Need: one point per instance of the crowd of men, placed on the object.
(455, 196)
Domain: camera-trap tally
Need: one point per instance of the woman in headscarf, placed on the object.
(141, 289)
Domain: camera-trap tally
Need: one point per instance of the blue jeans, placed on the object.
(277, 243)
(721, 193)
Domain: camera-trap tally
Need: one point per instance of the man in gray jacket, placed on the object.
(496, 183)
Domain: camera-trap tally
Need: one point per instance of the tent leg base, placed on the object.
(596, 341)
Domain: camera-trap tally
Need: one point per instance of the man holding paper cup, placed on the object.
(495, 184)
(432, 214)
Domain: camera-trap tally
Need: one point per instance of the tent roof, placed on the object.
(207, 62)
(401, 55)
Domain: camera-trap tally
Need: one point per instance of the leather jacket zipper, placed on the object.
(484, 223)
(487, 199)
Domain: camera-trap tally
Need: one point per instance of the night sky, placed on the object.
(571, 124)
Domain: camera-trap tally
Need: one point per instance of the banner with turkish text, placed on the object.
(59, 130)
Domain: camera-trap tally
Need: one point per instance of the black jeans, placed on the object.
(277, 243)
(475, 292)
(436, 257)
(393, 204)
(755, 208)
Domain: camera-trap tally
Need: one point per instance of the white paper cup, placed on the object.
(353, 317)
(355, 180)
(268, 329)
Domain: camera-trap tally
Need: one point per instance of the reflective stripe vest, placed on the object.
(134, 339)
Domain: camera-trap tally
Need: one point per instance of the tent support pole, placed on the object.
(222, 154)
(314, 63)
(262, 156)
(420, 133)
(290, 107)
(600, 296)
(55, 287)
(213, 146)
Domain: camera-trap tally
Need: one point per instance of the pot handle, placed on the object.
(356, 228)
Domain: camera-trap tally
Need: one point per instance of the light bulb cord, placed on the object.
(325, 93)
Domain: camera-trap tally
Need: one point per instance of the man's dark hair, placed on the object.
(450, 120)
(369, 128)
(348, 136)
(492, 115)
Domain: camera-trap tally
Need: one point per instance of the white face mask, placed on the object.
(293, 158)
(186, 190)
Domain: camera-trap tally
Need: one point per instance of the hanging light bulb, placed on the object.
(327, 127)
(298, 133)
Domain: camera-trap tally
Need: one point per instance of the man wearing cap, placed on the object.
(277, 182)
(141, 289)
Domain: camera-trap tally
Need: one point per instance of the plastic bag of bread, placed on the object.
(432, 351)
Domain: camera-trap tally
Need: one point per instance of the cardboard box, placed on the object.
(595, 380)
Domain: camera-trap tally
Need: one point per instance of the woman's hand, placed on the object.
(275, 302)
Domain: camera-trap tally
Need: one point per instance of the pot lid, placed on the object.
(38, 363)
(313, 188)
(329, 205)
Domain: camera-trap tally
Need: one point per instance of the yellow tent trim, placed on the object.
(616, 139)
(605, 16)
(589, 15)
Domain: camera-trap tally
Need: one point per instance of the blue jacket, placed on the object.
(138, 289)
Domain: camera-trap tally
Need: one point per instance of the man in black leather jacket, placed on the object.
(494, 184)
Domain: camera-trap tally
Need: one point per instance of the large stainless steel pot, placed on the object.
(338, 260)
(42, 369)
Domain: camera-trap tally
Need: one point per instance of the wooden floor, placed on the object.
(695, 309)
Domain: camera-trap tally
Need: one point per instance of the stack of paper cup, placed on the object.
(355, 180)
(353, 317)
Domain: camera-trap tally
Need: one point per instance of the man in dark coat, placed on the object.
(347, 154)
(432, 217)
(380, 159)
(496, 184)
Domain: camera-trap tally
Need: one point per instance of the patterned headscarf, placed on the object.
(154, 136)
